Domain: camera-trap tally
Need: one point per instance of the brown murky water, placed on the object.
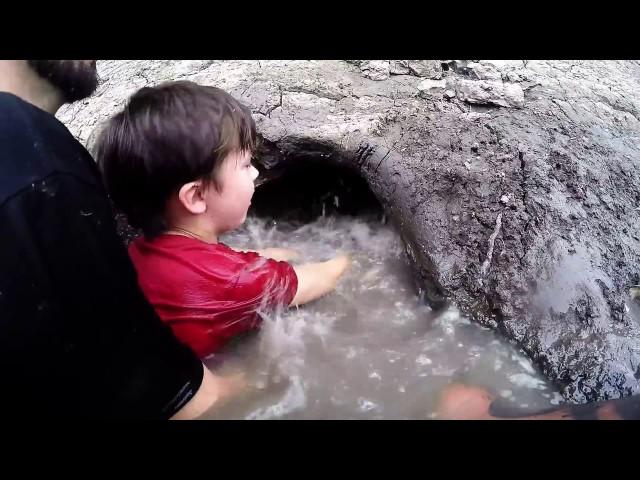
(370, 350)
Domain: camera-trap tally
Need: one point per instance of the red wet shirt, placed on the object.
(209, 293)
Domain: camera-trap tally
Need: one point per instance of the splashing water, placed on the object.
(370, 349)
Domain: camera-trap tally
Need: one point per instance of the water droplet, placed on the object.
(423, 360)
(366, 405)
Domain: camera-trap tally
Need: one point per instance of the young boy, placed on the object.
(177, 162)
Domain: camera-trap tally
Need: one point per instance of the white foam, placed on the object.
(423, 360)
(527, 381)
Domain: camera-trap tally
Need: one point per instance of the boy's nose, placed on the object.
(254, 173)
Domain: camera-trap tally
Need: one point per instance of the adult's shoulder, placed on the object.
(36, 145)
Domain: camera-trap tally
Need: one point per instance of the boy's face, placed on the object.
(228, 207)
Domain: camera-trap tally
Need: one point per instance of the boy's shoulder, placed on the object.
(187, 249)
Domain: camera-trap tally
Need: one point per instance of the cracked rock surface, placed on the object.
(514, 184)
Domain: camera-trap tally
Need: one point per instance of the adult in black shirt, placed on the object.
(77, 336)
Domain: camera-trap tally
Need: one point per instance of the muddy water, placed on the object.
(372, 349)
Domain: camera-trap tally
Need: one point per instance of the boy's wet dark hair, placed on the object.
(166, 136)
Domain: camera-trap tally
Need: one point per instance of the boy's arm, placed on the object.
(314, 280)
(317, 279)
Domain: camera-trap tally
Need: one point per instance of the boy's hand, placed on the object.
(341, 263)
(317, 279)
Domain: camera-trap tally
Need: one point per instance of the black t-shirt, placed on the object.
(77, 336)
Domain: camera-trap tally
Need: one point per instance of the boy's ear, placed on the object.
(191, 196)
